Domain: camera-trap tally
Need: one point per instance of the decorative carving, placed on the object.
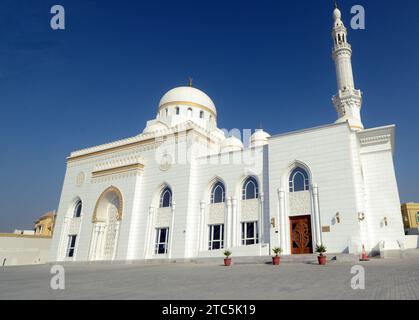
(74, 226)
(118, 193)
(301, 242)
(116, 176)
(300, 235)
(216, 213)
(249, 210)
(376, 139)
(300, 203)
(80, 179)
(166, 162)
(163, 217)
(121, 169)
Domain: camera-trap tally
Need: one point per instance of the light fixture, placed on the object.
(273, 222)
(385, 221)
(361, 216)
(337, 217)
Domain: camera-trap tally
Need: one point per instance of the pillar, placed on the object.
(94, 242)
(260, 224)
(64, 239)
(282, 221)
(148, 244)
(234, 223)
(100, 236)
(227, 227)
(171, 229)
(202, 224)
(316, 208)
(115, 246)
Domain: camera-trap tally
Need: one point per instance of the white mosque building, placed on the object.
(181, 189)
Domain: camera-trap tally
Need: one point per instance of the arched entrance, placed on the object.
(106, 220)
(300, 211)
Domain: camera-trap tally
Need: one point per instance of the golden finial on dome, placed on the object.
(190, 81)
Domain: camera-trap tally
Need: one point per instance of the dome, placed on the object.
(259, 138)
(188, 96)
(232, 144)
(154, 127)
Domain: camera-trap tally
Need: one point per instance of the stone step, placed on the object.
(306, 258)
(255, 260)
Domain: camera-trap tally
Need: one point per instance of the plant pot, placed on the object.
(227, 262)
(276, 261)
(322, 260)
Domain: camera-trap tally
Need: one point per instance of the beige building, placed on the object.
(410, 213)
(44, 226)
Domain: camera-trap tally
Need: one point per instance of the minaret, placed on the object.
(348, 100)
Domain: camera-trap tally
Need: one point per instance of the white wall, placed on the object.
(23, 250)
(382, 196)
(327, 152)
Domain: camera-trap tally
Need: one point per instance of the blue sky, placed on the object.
(264, 61)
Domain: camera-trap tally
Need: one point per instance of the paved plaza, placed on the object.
(384, 279)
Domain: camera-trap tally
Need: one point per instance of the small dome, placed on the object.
(232, 144)
(154, 127)
(259, 138)
(219, 134)
(189, 96)
(337, 15)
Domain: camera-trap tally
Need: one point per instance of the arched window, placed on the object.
(167, 112)
(189, 113)
(250, 189)
(77, 209)
(166, 198)
(177, 110)
(218, 193)
(299, 180)
(201, 114)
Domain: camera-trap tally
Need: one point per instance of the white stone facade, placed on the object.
(181, 189)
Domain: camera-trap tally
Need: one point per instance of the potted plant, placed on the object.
(321, 250)
(276, 259)
(227, 260)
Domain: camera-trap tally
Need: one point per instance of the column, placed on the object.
(282, 220)
(227, 232)
(171, 229)
(202, 224)
(148, 239)
(115, 245)
(64, 240)
(98, 250)
(260, 224)
(234, 223)
(317, 214)
(94, 242)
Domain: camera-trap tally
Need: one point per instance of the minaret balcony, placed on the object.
(342, 45)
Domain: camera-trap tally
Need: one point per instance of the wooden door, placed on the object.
(301, 241)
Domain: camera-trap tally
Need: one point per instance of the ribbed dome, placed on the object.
(232, 144)
(259, 138)
(187, 95)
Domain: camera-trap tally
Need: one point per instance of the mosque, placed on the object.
(182, 189)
